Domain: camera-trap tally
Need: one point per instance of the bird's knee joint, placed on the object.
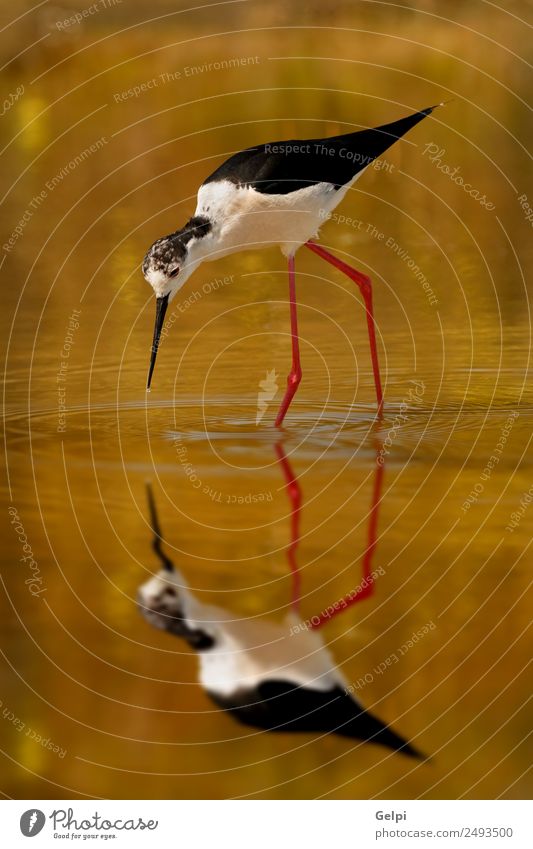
(366, 285)
(294, 378)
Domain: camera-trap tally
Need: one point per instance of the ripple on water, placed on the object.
(234, 423)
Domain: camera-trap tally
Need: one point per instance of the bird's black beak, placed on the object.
(161, 305)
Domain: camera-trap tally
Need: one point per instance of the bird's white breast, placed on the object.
(247, 652)
(244, 218)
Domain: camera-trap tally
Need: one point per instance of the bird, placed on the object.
(270, 675)
(273, 194)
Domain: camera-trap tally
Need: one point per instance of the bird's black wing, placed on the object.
(278, 168)
(282, 706)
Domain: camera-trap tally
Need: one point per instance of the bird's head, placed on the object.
(162, 265)
(165, 269)
(167, 266)
(159, 600)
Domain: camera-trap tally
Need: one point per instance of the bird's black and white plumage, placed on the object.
(272, 676)
(287, 167)
(275, 676)
(278, 193)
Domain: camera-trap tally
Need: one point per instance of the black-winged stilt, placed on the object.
(278, 193)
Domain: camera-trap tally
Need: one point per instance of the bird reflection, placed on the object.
(276, 676)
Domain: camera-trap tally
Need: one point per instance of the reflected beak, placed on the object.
(161, 305)
(157, 542)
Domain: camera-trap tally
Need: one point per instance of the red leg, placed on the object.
(295, 374)
(295, 498)
(365, 285)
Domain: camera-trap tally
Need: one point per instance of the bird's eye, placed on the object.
(174, 272)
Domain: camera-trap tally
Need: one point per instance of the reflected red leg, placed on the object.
(295, 498)
(366, 586)
(365, 285)
(295, 374)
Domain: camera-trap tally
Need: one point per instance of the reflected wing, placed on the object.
(281, 706)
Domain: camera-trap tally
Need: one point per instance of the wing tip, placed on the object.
(429, 109)
(412, 752)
